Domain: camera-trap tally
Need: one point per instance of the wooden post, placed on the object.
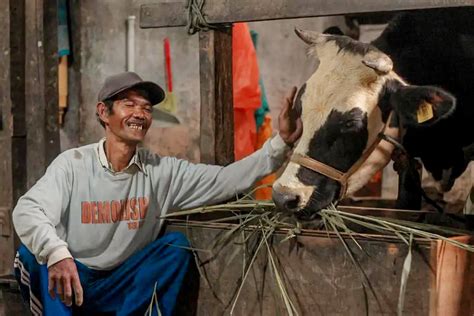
(50, 80)
(34, 102)
(217, 119)
(42, 135)
(6, 240)
(17, 95)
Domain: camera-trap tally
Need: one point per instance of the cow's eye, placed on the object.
(352, 125)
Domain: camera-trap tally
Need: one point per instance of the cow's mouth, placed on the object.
(303, 205)
(307, 215)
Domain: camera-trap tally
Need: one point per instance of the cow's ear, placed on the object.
(422, 105)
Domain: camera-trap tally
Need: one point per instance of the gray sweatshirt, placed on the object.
(82, 209)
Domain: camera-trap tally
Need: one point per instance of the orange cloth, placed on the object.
(247, 99)
(246, 90)
(245, 133)
(245, 73)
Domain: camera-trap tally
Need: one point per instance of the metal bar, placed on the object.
(167, 14)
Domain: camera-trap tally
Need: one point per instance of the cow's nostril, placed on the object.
(287, 202)
(292, 203)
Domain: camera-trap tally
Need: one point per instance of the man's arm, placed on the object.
(199, 184)
(39, 211)
(35, 218)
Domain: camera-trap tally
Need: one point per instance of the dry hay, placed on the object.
(252, 217)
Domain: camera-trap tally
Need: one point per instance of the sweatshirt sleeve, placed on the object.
(39, 211)
(194, 185)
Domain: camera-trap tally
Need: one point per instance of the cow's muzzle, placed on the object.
(286, 201)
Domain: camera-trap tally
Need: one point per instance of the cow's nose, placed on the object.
(287, 202)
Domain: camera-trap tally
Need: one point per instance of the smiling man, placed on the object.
(90, 227)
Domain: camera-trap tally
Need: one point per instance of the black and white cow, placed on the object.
(345, 104)
(436, 47)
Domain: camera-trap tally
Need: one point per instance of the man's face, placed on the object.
(130, 118)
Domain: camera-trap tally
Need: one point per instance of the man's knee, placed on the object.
(24, 253)
(178, 245)
(26, 260)
(177, 239)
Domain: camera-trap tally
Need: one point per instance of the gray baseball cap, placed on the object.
(115, 84)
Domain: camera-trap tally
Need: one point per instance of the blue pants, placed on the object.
(125, 290)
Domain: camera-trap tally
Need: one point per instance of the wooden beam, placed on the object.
(50, 80)
(173, 13)
(34, 101)
(217, 119)
(17, 66)
(41, 97)
(6, 232)
(17, 96)
(208, 97)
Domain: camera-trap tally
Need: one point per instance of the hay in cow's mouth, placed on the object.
(252, 218)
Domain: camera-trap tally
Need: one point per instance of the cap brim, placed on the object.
(155, 92)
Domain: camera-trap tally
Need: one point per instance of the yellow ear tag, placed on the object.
(425, 112)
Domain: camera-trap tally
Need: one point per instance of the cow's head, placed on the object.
(344, 105)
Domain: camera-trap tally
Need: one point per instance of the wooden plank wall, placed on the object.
(6, 240)
(52, 146)
(29, 132)
(41, 98)
(17, 179)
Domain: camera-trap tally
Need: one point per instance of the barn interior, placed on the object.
(56, 55)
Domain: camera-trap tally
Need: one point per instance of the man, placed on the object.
(90, 225)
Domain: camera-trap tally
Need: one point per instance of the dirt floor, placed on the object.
(11, 303)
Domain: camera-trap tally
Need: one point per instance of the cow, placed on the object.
(347, 102)
(436, 47)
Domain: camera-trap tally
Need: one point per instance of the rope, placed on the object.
(196, 20)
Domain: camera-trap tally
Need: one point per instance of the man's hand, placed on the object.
(63, 277)
(289, 121)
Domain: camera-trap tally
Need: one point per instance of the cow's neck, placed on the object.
(381, 156)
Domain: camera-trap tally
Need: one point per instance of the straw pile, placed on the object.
(259, 218)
